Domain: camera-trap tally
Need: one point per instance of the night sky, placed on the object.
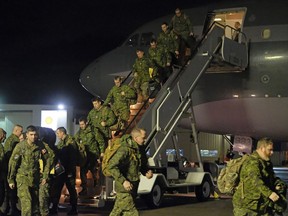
(45, 44)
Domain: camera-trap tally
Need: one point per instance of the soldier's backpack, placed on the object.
(111, 149)
(229, 177)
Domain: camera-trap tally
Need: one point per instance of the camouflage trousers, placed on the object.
(29, 198)
(142, 89)
(44, 199)
(248, 212)
(91, 165)
(124, 205)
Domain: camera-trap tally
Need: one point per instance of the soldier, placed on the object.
(168, 41)
(235, 35)
(44, 188)
(125, 167)
(24, 168)
(11, 196)
(87, 138)
(120, 97)
(101, 118)
(66, 154)
(161, 61)
(3, 169)
(181, 26)
(257, 190)
(142, 73)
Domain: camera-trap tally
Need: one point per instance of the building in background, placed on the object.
(50, 116)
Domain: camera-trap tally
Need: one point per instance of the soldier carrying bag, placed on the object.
(112, 148)
(229, 176)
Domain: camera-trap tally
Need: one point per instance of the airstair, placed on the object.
(175, 97)
(173, 103)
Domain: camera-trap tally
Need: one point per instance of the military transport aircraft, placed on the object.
(227, 87)
(249, 99)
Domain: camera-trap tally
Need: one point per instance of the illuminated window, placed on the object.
(209, 153)
(54, 118)
(266, 34)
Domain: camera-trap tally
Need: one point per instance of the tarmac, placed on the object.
(172, 205)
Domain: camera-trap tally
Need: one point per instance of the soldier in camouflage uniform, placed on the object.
(257, 191)
(168, 41)
(24, 168)
(125, 167)
(9, 145)
(87, 138)
(120, 97)
(3, 169)
(142, 73)
(66, 154)
(181, 25)
(161, 61)
(101, 118)
(44, 188)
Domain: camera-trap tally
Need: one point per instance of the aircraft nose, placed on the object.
(97, 77)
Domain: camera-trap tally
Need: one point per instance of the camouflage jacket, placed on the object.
(159, 57)
(95, 117)
(24, 164)
(257, 180)
(181, 25)
(3, 163)
(66, 152)
(128, 162)
(9, 145)
(141, 67)
(118, 100)
(168, 41)
(86, 136)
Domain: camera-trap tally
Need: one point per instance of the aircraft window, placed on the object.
(145, 38)
(133, 40)
(266, 34)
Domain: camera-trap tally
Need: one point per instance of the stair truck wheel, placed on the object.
(204, 190)
(154, 199)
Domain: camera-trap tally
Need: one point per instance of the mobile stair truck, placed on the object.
(173, 106)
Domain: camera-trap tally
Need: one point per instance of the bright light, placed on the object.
(53, 118)
(217, 19)
(235, 96)
(273, 57)
(61, 106)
